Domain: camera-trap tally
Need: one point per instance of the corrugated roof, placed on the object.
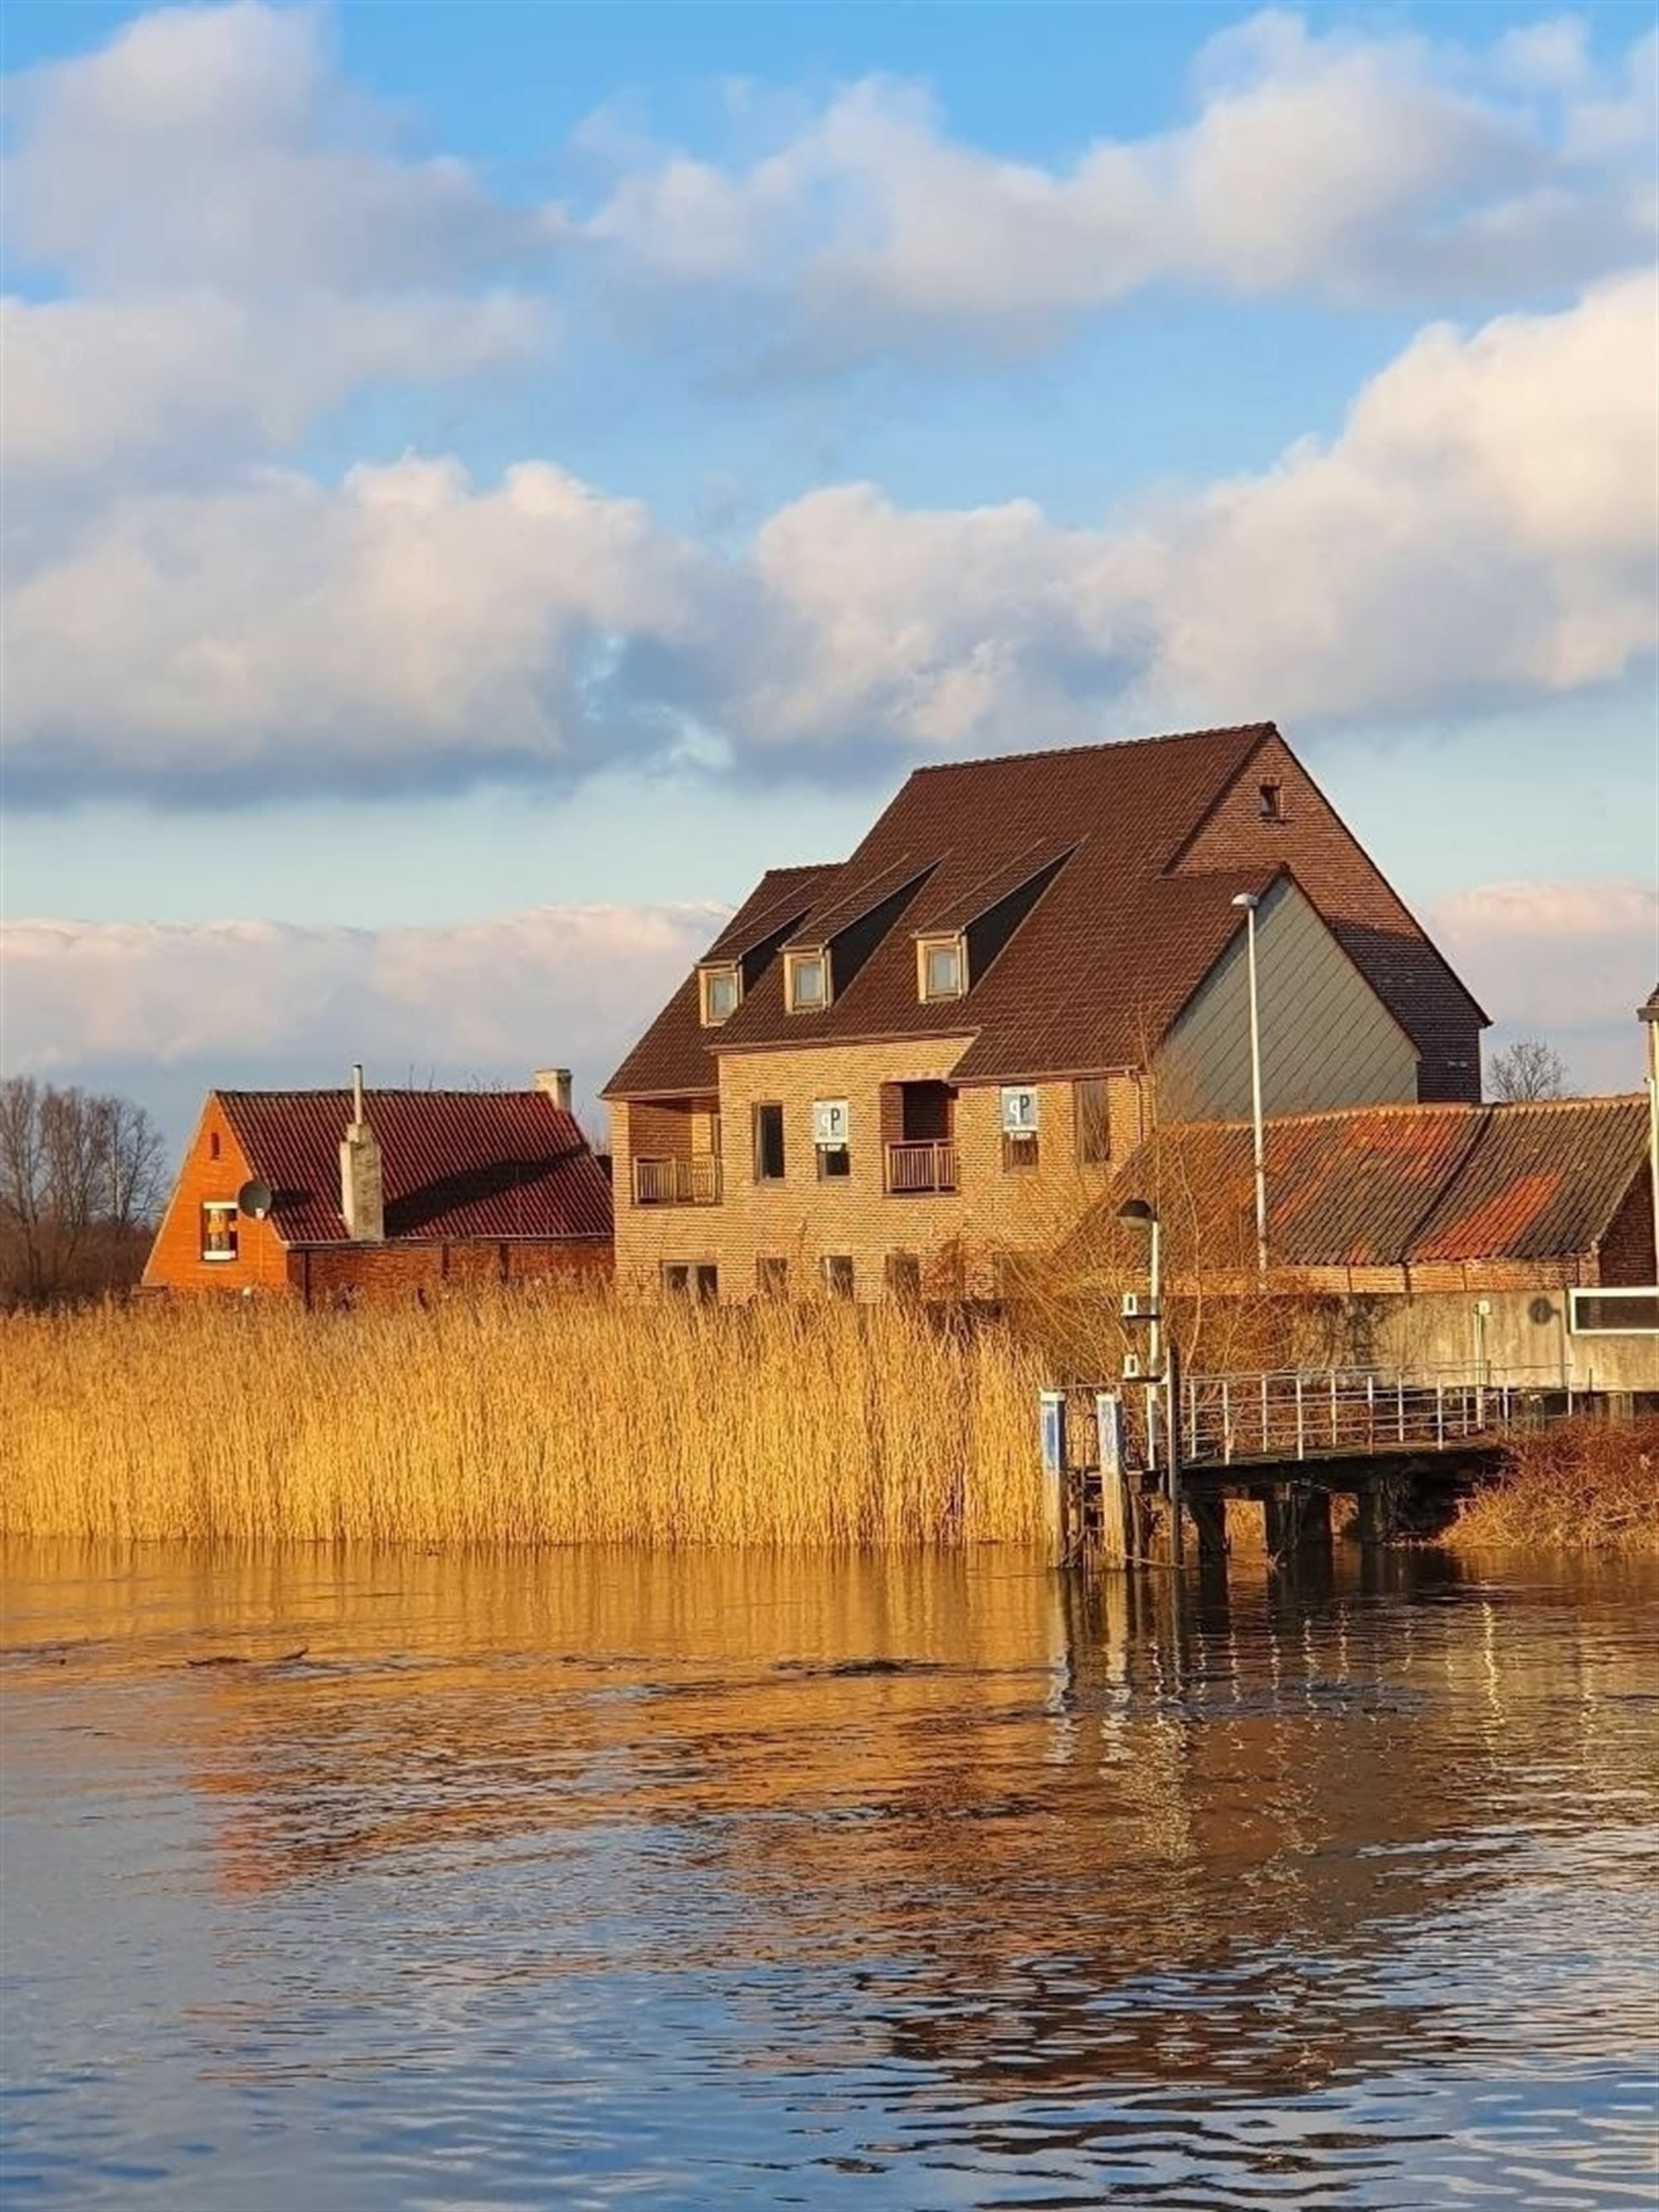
(1390, 1186)
(454, 1164)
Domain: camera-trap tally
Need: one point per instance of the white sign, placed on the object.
(1019, 1110)
(831, 1124)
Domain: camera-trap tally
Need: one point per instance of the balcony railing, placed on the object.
(694, 1182)
(920, 1168)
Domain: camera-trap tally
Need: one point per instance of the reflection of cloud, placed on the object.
(1483, 525)
(552, 987)
(1570, 962)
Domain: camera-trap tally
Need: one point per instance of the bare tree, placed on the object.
(82, 1179)
(1529, 1068)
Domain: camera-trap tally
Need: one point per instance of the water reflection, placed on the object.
(946, 1881)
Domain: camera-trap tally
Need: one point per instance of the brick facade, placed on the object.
(378, 1274)
(803, 1220)
(216, 1168)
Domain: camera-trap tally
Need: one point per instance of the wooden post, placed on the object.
(1172, 1483)
(1209, 1512)
(1116, 1512)
(1052, 1408)
(1369, 1512)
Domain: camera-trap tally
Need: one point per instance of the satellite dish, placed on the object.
(254, 1199)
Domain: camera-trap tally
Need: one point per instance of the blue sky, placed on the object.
(481, 483)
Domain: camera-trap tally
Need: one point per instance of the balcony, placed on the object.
(913, 1168)
(694, 1182)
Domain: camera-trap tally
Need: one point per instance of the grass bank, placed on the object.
(556, 1419)
(1586, 1485)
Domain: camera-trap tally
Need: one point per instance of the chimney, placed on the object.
(362, 1201)
(556, 1082)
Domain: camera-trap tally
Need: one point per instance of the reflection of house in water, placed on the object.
(1043, 1835)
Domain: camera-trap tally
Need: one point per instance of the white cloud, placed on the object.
(1569, 961)
(1484, 527)
(1352, 168)
(490, 999)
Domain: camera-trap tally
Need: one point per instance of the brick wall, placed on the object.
(803, 1220)
(175, 1260)
(1366, 916)
(376, 1274)
(1626, 1257)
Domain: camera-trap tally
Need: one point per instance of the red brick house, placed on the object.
(952, 1038)
(337, 1196)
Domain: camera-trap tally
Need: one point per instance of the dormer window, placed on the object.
(722, 992)
(806, 978)
(942, 967)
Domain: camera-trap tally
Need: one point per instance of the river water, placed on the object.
(648, 1881)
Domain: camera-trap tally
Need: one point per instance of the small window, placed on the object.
(904, 1277)
(213, 1144)
(838, 1274)
(1094, 1138)
(769, 1144)
(696, 1279)
(809, 981)
(1272, 801)
(943, 968)
(772, 1278)
(722, 995)
(835, 1163)
(219, 1229)
(1019, 1153)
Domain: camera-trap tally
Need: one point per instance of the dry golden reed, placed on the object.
(554, 1419)
(1587, 1486)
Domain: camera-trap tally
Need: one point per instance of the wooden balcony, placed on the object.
(912, 1168)
(694, 1182)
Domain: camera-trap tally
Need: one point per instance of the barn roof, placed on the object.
(1389, 1186)
(454, 1164)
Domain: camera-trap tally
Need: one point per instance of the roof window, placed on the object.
(806, 981)
(941, 967)
(720, 988)
(1271, 801)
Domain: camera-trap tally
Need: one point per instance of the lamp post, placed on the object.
(1138, 1214)
(1250, 901)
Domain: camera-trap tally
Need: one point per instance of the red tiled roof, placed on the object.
(1388, 1186)
(454, 1164)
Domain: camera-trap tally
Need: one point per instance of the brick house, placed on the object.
(342, 1196)
(885, 1069)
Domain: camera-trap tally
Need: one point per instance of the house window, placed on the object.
(1271, 796)
(943, 968)
(696, 1279)
(772, 1278)
(808, 975)
(1094, 1138)
(213, 1144)
(1019, 1153)
(904, 1277)
(722, 995)
(838, 1274)
(219, 1229)
(835, 1163)
(769, 1144)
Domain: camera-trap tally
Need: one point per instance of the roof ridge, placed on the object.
(1098, 745)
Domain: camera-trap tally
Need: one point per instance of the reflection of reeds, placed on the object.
(1586, 1485)
(560, 1419)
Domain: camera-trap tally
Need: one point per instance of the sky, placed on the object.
(482, 483)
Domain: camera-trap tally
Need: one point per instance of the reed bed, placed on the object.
(563, 1418)
(1586, 1485)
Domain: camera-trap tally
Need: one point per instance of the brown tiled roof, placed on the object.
(672, 1059)
(455, 1163)
(1114, 944)
(1387, 1186)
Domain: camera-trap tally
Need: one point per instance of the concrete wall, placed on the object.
(1327, 1038)
(1527, 1341)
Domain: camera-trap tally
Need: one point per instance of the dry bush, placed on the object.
(519, 1418)
(1582, 1486)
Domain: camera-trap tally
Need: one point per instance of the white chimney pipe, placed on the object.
(556, 1082)
(362, 1198)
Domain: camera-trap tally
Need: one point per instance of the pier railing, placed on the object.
(921, 1167)
(1349, 1413)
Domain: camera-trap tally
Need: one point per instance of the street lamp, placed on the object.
(1250, 901)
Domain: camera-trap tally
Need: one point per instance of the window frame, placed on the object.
(1270, 799)
(1081, 1114)
(713, 972)
(839, 1275)
(772, 1275)
(759, 1110)
(835, 1163)
(953, 942)
(1022, 1153)
(792, 964)
(227, 1210)
(902, 1274)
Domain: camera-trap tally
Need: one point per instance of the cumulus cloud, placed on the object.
(1483, 527)
(1351, 166)
(236, 1000)
(1570, 962)
(237, 243)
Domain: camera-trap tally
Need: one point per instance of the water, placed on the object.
(597, 1880)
